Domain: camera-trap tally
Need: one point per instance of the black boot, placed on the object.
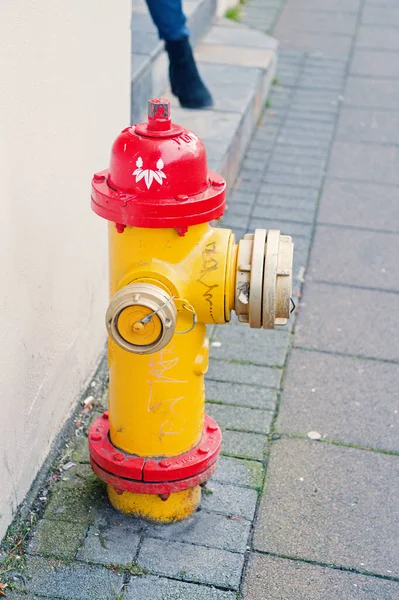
(185, 80)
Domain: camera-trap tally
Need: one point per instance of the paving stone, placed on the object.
(316, 21)
(244, 445)
(247, 185)
(70, 581)
(301, 113)
(272, 577)
(192, 563)
(250, 164)
(354, 257)
(325, 503)
(241, 197)
(53, 538)
(241, 394)
(308, 41)
(160, 588)
(116, 544)
(237, 210)
(240, 418)
(229, 499)
(349, 320)
(267, 201)
(363, 162)
(235, 471)
(284, 157)
(373, 15)
(364, 125)
(282, 213)
(370, 92)
(233, 372)
(22, 596)
(312, 132)
(340, 6)
(318, 386)
(76, 504)
(242, 343)
(312, 145)
(360, 205)
(377, 38)
(286, 227)
(296, 171)
(290, 191)
(374, 63)
(206, 529)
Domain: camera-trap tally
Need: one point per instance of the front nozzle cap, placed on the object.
(141, 318)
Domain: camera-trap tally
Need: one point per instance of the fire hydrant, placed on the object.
(171, 274)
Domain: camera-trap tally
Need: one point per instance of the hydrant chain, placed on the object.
(148, 318)
(187, 306)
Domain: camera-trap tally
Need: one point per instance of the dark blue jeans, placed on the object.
(169, 18)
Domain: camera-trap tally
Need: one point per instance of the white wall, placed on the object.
(64, 72)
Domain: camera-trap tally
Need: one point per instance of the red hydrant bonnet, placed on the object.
(158, 176)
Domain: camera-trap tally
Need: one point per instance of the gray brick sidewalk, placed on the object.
(323, 166)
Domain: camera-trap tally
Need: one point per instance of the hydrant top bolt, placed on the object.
(181, 198)
(217, 183)
(138, 326)
(99, 177)
(105, 414)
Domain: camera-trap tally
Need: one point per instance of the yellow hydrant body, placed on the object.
(155, 447)
(156, 401)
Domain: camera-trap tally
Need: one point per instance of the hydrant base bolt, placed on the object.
(105, 414)
(118, 457)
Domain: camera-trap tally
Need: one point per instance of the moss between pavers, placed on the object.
(80, 452)
(57, 538)
(256, 474)
(77, 503)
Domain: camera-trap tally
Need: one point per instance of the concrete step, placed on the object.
(149, 75)
(238, 64)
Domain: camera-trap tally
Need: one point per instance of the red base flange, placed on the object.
(126, 472)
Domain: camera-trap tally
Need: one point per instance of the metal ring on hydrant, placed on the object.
(263, 283)
(141, 318)
(147, 475)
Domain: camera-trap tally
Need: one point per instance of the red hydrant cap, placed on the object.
(158, 176)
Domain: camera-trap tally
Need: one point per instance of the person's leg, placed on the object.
(169, 19)
(185, 80)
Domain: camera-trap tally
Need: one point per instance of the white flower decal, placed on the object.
(148, 174)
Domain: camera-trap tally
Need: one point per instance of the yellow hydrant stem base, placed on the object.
(177, 507)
